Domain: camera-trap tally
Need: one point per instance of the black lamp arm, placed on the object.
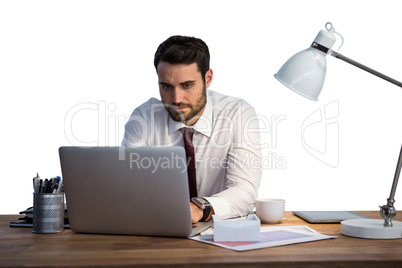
(388, 211)
(355, 63)
(396, 178)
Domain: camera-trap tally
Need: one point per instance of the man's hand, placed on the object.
(196, 213)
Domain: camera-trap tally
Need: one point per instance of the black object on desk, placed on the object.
(27, 220)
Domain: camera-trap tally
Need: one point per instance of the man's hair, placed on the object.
(185, 50)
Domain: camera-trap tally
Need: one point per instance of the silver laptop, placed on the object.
(129, 191)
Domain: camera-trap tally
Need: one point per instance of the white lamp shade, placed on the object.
(304, 73)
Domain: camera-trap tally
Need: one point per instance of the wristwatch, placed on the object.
(204, 205)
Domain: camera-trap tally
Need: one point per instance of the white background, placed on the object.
(71, 72)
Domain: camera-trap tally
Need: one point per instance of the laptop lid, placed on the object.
(130, 191)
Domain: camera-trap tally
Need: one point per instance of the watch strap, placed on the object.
(207, 211)
(204, 205)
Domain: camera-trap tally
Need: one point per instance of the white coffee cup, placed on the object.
(270, 210)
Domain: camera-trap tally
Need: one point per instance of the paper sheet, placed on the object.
(270, 237)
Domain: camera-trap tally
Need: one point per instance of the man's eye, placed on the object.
(165, 86)
(187, 85)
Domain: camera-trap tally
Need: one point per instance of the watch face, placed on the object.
(198, 203)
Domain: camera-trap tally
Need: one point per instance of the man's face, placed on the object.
(183, 90)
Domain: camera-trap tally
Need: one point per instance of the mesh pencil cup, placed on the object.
(48, 213)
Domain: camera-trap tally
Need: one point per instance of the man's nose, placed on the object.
(177, 95)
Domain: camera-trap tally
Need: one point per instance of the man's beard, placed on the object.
(194, 110)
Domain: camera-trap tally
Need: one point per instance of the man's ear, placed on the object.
(208, 77)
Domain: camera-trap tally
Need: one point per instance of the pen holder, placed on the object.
(48, 213)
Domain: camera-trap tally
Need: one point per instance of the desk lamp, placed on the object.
(304, 73)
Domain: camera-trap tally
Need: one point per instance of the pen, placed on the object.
(36, 183)
(54, 185)
(50, 187)
(40, 186)
(46, 186)
(61, 187)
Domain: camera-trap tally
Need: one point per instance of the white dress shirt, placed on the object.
(227, 148)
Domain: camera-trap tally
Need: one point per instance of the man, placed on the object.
(224, 129)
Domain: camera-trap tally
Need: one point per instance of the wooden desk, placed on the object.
(20, 247)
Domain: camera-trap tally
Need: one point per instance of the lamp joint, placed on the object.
(320, 47)
(388, 213)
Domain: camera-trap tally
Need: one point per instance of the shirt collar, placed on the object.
(203, 125)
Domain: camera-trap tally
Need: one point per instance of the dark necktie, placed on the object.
(190, 155)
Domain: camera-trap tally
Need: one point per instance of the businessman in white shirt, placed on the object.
(225, 129)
